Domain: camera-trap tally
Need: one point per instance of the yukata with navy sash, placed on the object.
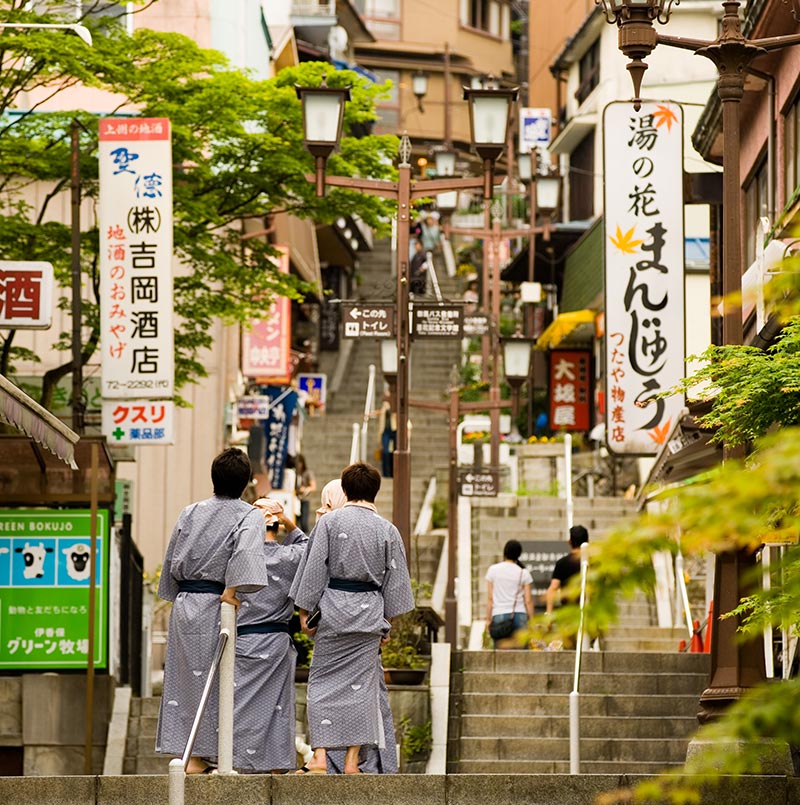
(216, 543)
(264, 701)
(356, 572)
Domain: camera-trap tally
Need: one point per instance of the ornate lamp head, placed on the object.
(637, 37)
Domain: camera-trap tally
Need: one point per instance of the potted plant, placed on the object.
(402, 658)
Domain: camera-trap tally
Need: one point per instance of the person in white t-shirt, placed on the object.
(509, 593)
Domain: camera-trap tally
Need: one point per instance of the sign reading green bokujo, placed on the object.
(44, 588)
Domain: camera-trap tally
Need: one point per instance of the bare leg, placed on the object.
(351, 760)
(196, 765)
(318, 762)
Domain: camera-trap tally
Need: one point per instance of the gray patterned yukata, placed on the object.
(264, 715)
(355, 544)
(218, 540)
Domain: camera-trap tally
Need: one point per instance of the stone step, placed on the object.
(142, 726)
(661, 750)
(561, 767)
(591, 705)
(634, 644)
(628, 684)
(591, 662)
(557, 726)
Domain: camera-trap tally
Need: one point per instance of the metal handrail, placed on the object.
(434, 279)
(177, 766)
(683, 595)
(574, 696)
(369, 402)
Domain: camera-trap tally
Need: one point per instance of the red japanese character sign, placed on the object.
(265, 346)
(570, 390)
(26, 295)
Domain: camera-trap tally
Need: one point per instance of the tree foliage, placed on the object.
(237, 151)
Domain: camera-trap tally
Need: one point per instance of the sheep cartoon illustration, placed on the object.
(34, 556)
(77, 561)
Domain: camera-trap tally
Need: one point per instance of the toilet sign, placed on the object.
(478, 482)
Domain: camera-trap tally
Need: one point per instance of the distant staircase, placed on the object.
(327, 439)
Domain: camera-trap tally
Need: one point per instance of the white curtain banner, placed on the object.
(135, 215)
(644, 273)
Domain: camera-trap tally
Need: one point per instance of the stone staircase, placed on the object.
(327, 439)
(509, 711)
(140, 757)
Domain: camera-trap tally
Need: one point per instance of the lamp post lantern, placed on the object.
(323, 109)
(735, 666)
(323, 112)
(419, 86)
(517, 368)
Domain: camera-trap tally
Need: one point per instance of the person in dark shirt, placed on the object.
(567, 566)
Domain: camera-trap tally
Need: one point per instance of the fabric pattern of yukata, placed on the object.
(264, 702)
(218, 540)
(372, 760)
(356, 544)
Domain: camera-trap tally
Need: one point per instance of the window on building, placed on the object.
(388, 109)
(756, 205)
(581, 180)
(792, 149)
(490, 16)
(588, 72)
(382, 17)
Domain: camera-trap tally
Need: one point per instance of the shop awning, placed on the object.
(568, 330)
(27, 416)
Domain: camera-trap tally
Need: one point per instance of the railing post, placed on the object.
(354, 444)
(574, 696)
(177, 781)
(226, 671)
(568, 479)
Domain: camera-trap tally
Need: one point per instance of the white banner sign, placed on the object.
(135, 214)
(644, 273)
(26, 295)
(139, 421)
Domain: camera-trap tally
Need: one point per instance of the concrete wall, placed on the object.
(45, 714)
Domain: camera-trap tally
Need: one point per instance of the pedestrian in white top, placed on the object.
(509, 603)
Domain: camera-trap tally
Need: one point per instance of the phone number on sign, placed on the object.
(116, 385)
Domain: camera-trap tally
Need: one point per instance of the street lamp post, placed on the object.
(517, 367)
(735, 666)
(323, 110)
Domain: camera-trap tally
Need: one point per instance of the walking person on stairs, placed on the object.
(509, 604)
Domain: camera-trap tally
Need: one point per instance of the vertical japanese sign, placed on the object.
(26, 295)
(570, 389)
(276, 428)
(44, 588)
(135, 215)
(644, 273)
(266, 345)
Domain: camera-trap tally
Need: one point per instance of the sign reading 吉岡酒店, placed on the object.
(135, 221)
(139, 421)
(44, 583)
(26, 295)
(266, 345)
(570, 389)
(644, 273)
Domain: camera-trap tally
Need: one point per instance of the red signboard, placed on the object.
(26, 295)
(265, 346)
(570, 389)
